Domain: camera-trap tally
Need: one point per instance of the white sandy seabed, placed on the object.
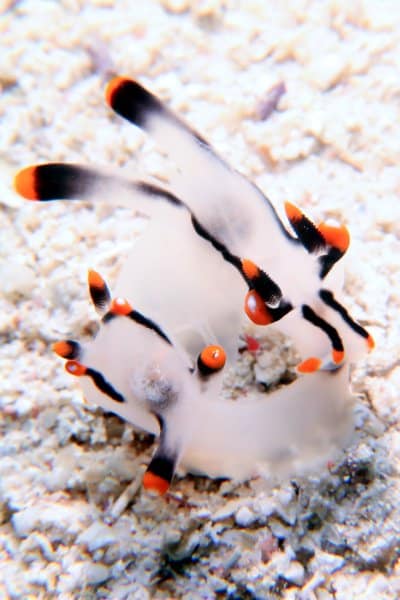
(74, 523)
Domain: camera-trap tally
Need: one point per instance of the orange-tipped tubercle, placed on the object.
(25, 183)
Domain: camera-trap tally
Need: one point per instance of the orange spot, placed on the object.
(337, 356)
(62, 348)
(75, 368)
(155, 483)
(338, 237)
(370, 342)
(292, 212)
(255, 309)
(112, 88)
(120, 306)
(310, 365)
(25, 183)
(95, 280)
(250, 270)
(213, 357)
(252, 344)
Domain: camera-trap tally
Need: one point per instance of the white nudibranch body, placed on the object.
(214, 255)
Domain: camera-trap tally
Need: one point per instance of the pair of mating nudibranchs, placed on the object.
(214, 242)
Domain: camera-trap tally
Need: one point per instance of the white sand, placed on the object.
(333, 148)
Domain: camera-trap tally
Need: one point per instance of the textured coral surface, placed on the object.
(301, 96)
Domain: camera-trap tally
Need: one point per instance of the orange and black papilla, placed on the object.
(54, 181)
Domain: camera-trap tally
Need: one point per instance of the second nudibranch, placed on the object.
(214, 240)
(132, 368)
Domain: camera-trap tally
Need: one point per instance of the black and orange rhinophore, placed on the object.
(337, 237)
(308, 234)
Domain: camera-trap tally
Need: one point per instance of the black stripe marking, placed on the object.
(329, 299)
(60, 181)
(205, 370)
(328, 260)
(330, 331)
(136, 316)
(269, 291)
(162, 466)
(163, 463)
(228, 256)
(100, 297)
(103, 385)
(75, 350)
(134, 103)
(308, 234)
(154, 190)
(280, 311)
(142, 320)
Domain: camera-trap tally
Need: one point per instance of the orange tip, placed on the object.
(95, 280)
(213, 357)
(112, 88)
(370, 342)
(25, 183)
(255, 309)
(120, 306)
(75, 368)
(292, 212)
(310, 365)
(155, 484)
(337, 237)
(337, 356)
(250, 269)
(62, 348)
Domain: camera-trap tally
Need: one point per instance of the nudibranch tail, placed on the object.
(55, 181)
(63, 181)
(161, 469)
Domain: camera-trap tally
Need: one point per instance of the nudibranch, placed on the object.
(214, 256)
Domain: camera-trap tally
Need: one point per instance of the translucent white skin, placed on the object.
(284, 432)
(179, 280)
(242, 218)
